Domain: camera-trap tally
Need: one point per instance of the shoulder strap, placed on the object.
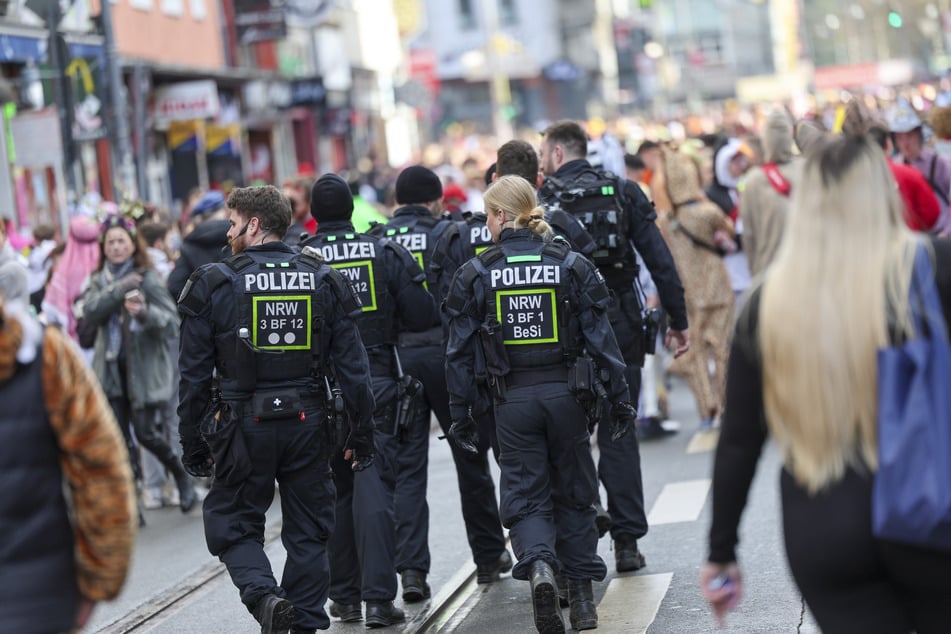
(441, 248)
(467, 274)
(342, 289)
(214, 276)
(579, 267)
(776, 179)
(490, 256)
(557, 250)
(697, 241)
(239, 261)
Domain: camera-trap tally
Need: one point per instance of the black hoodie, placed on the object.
(205, 244)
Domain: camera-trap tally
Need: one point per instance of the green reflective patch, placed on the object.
(362, 279)
(281, 322)
(331, 238)
(523, 258)
(527, 316)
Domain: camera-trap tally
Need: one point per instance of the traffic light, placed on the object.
(894, 19)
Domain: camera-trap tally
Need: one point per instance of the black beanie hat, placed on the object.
(330, 199)
(417, 184)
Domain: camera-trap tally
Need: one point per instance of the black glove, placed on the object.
(465, 435)
(196, 458)
(359, 448)
(623, 419)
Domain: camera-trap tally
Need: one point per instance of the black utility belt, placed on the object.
(524, 377)
(277, 404)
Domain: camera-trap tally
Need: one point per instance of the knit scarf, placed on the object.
(112, 272)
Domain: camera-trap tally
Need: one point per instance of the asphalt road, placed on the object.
(176, 586)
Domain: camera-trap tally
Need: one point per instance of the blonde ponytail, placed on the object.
(535, 220)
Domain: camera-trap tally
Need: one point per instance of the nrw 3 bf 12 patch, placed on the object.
(282, 322)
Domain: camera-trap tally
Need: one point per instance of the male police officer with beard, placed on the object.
(619, 217)
(526, 314)
(272, 324)
(389, 283)
(415, 225)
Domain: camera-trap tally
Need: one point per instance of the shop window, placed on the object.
(141, 5)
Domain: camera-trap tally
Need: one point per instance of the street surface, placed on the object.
(176, 586)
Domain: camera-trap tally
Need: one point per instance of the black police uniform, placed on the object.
(462, 241)
(414, 227)
(546, 305)
(264, 320)
(619, 465)
(389, 283)
(423, 355)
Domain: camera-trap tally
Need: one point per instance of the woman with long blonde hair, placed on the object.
(803, 370)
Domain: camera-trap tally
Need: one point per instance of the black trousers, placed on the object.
(476, 487)
(548, 481)
(295, 453)
(619, 466)
(851, 581)
(363, 545)
(145, 424)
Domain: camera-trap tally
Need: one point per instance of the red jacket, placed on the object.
(921, 205)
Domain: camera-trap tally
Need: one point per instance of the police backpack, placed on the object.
(596, 199)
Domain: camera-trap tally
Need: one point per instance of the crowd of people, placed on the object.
(308, 335)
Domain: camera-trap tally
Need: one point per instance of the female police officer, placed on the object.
(529, 315)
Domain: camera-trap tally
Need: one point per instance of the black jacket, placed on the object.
(647, 240)
(202, 246)
(209, 322)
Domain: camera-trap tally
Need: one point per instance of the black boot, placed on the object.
(545, 607)
(383, 614)
(583, 614)
(415, 587)
(626, 555)
(347, 612)
(276, 615)
(487, 573)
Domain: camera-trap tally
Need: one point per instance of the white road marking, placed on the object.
(679, 502)
(630, 604)
(704, 441)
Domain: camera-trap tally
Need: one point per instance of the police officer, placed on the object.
(464, 239)
(524, 313)
(417, 226)
(272, 324)
(389, 283)
(619, 217)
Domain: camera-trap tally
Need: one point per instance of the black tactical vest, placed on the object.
(279, 322)
(527, 293)
(419, 236)
(360, 259)
(596, 199)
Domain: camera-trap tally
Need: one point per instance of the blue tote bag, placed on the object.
(911, 499)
